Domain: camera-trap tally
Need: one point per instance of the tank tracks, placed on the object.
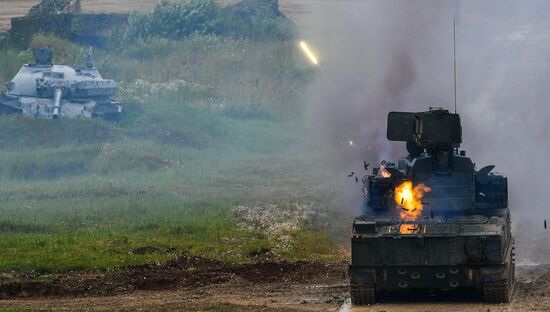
(501, 291)
(362, 294)
(497, 292)
(493, 292)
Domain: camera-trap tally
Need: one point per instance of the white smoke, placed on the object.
(382, 55)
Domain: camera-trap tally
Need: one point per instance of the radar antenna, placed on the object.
(454, 57)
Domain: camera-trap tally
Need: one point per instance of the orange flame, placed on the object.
(409, 229)
(384, 173)
(409, 199)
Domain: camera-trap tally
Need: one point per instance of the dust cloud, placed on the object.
(382, 55)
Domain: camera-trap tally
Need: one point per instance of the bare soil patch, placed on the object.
(192, 283)
(184, 272)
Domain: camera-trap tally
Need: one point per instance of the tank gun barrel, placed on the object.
(46, 90)
(58, 94)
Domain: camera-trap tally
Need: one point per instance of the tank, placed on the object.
(47, 90)
(432, 223)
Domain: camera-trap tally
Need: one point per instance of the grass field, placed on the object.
(208, 160)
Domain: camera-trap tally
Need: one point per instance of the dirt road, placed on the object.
(327, 295)
(197, 284)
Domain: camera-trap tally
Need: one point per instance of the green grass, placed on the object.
(211, 124)
(115, 243)
(96, 218)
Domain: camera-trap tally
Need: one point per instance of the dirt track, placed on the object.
(197, 284)
(184, 283)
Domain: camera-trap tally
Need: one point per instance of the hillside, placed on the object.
(208, 151)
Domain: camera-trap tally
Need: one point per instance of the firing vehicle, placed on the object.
(47, 90)
(432, 223)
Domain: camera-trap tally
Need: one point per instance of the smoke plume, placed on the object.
(377, 56)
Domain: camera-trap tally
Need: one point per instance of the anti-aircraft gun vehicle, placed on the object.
(432, 223)
(47, 90)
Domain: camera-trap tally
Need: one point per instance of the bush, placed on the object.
(174, 19)
(64, 52)
(48, 7)
(255, 19)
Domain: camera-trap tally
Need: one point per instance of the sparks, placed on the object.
(383, 172)
(312, 57)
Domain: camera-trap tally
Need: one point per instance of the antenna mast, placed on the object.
(454, 57)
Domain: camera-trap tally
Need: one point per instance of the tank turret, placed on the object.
(47, 90)
(432, 222)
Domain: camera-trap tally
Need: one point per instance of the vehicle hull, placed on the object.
(435, 258)
(44, 108)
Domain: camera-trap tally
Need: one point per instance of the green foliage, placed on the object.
(49, 164)
(110, 240)
(269, 83)
(15, 132)
(48, 7)
(259, 19)
(176, 19)
(311, 244)
(145, 49)
(64, 52)
(10, 62)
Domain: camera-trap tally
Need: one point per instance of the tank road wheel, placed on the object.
(497, 292)
(362, 294)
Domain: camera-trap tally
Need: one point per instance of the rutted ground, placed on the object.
(184, 283)
(198, 284)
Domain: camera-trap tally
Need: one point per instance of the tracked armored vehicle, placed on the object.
(47, 90)
(432, 223)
